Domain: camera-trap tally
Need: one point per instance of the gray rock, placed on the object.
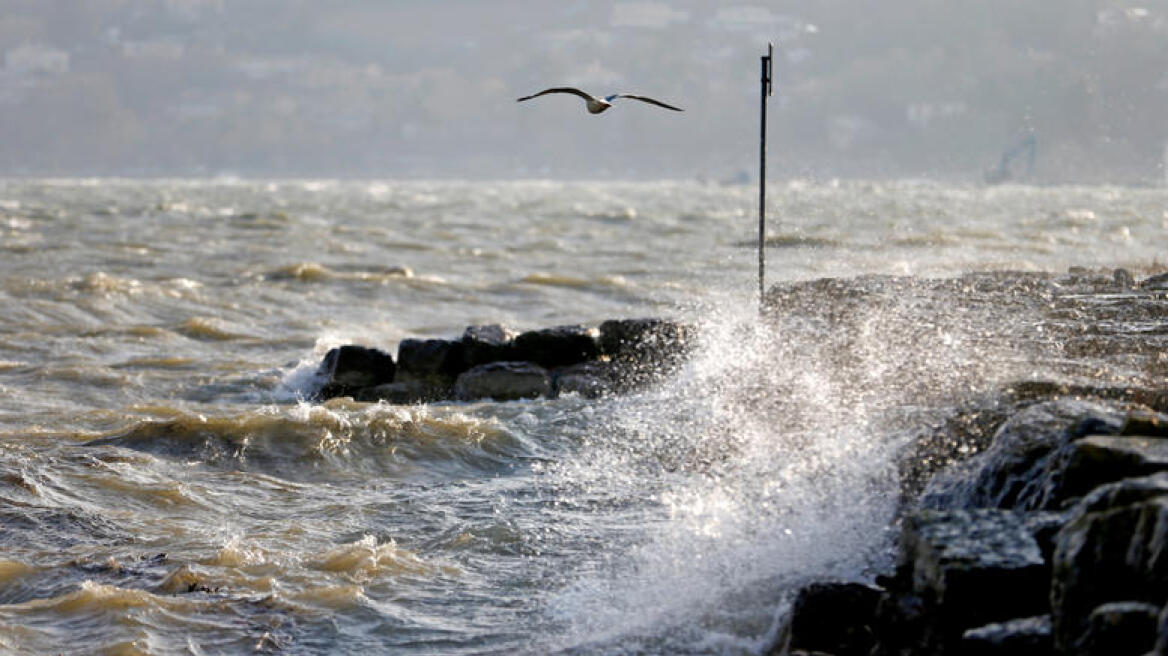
(1114, 549)
(1027, 636)
(558, 347)
(487, 343)
(831, 617)
(962, 563)
(504, 381)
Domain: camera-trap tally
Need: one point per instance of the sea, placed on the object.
(168, 485)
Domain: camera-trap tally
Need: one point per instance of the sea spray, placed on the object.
(760, 475)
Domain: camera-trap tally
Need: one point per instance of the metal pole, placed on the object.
(766, 91)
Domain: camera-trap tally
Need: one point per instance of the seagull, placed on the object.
(597, 105)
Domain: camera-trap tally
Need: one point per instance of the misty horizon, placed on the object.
(370, 89)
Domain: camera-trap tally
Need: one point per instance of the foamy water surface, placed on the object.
(165, 488)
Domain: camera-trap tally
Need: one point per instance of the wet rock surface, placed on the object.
(1033, 518)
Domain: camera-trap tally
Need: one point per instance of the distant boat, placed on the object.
(1003, 173)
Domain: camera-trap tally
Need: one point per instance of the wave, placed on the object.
(309, 272)
(337, 439)
(560, 280)
(208, 329)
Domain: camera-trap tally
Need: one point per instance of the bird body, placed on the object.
(597, 105)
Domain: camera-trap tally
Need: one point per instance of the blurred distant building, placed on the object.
(36, 59)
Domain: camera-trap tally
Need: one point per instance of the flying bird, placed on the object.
(596, 105)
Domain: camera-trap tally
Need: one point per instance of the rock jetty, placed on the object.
(1052, 541)
(1053, 537)
(492, 362)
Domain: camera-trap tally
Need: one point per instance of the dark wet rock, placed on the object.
(487, 343)
(831, 617)
(403, 392)
(645, 350)
(959, 562)
(504, 381)
(1026, 636)
(905, 623)
(588, 379)
(1097, 460)
(1159, 281)
(1044, 526)
(1020, 469)
(430, 358)
(1123, 628)
(558, 347)
(1161, 647)
(1145, 424)
(643, 339)
(1113, 550)
(348, 368)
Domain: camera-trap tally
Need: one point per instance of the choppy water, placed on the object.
(164, 490)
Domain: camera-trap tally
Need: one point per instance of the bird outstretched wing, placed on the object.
(571, 90)
(647, 99)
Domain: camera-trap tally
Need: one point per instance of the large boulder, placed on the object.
(1113, 550)
(644, 350)
(1022, 468)
(504, 381)
(643, 339)
(973, 567)
(831, 617)
(426, 358)
(1096, 460)
(487, 343)
(346, 369)
(558, 347)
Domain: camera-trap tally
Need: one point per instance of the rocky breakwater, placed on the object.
(492, 362)
(1053, 538)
